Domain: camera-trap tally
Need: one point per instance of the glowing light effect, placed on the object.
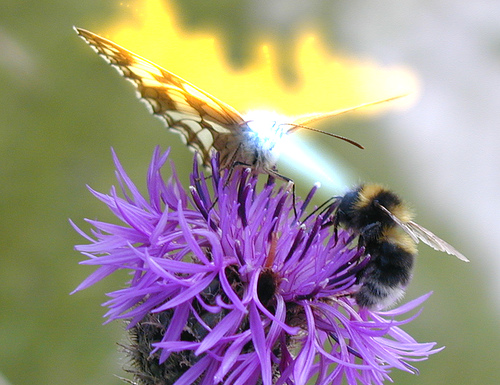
(327, 83)
(269, 127)
(313, 167)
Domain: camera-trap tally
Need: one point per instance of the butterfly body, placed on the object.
(261, 142)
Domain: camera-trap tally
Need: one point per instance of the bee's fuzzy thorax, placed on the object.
(368, 194)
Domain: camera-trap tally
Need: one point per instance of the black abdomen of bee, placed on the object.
(386, 275)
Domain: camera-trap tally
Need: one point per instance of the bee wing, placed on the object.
(430, 239)
(400, 223)
(419, 233)
(202, 120)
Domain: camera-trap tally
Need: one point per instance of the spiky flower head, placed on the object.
(229, 286)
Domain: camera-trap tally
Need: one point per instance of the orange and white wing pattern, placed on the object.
(202, 120)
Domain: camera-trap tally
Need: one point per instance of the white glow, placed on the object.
(267, 124)
(306, 163)
(314, 166)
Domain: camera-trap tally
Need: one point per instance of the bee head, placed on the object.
(360, 208)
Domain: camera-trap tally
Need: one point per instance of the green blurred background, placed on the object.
(61, 110)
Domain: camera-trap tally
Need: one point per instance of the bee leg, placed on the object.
(336, 222)
(371, 232)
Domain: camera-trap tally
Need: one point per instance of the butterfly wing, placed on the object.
(419, 233)
(202, 120)
(314, 117)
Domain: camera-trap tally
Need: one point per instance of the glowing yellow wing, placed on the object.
(314, 117)
(202, 120)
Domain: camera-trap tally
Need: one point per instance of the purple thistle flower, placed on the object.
(228, 287)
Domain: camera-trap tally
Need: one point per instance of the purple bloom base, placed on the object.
(248, 294)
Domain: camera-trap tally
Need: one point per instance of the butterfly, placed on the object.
(203, 121)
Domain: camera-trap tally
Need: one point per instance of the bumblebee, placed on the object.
(389, 235)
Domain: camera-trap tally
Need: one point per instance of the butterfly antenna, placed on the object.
(296, 126)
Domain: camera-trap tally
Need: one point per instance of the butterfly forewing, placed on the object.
(203, 121)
